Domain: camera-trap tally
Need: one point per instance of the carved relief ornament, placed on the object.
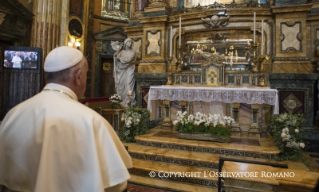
(216, 21)
(157, 3)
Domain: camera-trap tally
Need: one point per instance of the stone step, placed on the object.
(189, 158)
(166, 139)
(168, 186)
(171, 172)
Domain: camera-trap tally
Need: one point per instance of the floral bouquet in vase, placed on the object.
(289, 136)
(203, 127)
(115, 101)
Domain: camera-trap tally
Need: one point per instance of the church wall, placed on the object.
(99, 24)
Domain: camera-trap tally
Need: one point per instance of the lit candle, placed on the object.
(170, 42)
(262, 37)
(254, 26)
(180, 32)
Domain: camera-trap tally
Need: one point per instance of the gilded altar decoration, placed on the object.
(106, 66)
(216, 21)
(199, 8)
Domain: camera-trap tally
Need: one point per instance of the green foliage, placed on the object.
(135, 122)
(289, 135)
(190, 127)
(115, 105)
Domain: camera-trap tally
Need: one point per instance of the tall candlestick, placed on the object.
(262, 38)
(170, 42)
(180, 32)
(254, 26)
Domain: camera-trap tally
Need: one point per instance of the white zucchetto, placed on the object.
(62, 58)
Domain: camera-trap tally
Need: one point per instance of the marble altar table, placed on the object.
(219, 99)
(210, 94)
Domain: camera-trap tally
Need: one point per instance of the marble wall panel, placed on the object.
(290, 36)
(153, 43)
(138, 47)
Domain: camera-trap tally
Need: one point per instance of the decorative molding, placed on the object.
(259, 155)
(111, 19)
(172, 160)
(282, 37)
(136, 39)
(250, 4)
(216, 21)
(154, 61)
(157, 3)
(75, 28)
(137, 14)
(291, 59)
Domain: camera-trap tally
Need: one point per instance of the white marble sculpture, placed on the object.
(124, 67)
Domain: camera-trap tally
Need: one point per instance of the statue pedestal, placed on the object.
(113, 116)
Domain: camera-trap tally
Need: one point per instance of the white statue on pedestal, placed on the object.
(124, 67)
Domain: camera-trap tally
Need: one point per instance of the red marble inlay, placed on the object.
(45, 46)
(41, 35)
(76, 7)
(51, 37)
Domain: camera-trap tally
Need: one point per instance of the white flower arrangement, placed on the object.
(291, 143)
(130, 119)
(115, 100)
(289, 135)
(202, 118)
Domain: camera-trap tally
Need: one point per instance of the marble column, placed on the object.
(235, 113)
(254, 128)
(183, 105)
(49, 24)
(167, 122)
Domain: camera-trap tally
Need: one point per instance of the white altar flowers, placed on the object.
(201, 118)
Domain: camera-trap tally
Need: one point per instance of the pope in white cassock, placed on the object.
(52, 143)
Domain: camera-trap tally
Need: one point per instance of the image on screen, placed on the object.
(20, 59)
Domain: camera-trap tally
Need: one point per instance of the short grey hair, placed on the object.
(61, 76)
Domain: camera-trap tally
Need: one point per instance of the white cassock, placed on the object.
(59, 145)
(16, 60)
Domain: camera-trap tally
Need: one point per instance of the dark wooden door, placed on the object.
(107, 80)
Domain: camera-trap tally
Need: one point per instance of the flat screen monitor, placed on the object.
(21, 58)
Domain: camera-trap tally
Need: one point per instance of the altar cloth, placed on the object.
(209, 94)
